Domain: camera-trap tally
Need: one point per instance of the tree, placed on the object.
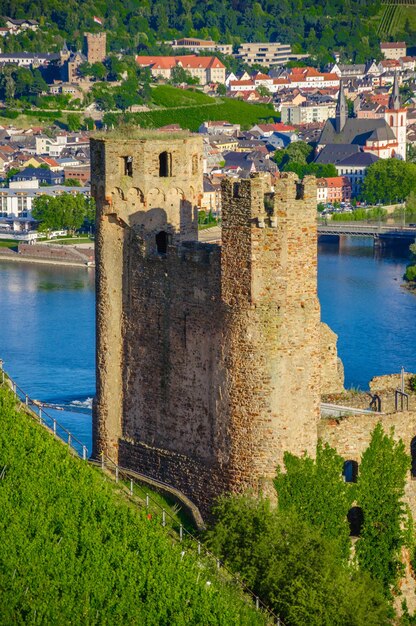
(74, 122)
(221, 89)
(98, 71)
(380, 491)
(72, 182)
(296, 152)
(316, 491)
(66, 211)
(179, 76)
(388, 181)
(293, 567)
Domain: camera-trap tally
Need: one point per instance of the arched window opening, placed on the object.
(350, 471)
(401, 120)
(128, 166)
(391, 120)
(162, 241)
(195, 164)
(413, 457)
(355, 519)
(165, 164)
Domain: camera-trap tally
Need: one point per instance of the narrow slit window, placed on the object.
(165, 164)
(128, 166)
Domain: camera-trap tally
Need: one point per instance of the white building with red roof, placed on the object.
(206, 69)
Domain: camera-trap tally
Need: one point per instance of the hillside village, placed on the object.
(351, 115)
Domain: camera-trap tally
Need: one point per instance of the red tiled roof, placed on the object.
(393, 44)
(337, 181)
(190, 60)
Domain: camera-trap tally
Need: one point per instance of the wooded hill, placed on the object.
(315, 26)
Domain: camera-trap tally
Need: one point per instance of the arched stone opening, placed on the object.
(350, 471)
(162, 240)
(355, 519)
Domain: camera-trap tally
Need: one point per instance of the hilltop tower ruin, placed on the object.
(208, 356)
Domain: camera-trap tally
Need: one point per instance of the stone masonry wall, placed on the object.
(207, 356)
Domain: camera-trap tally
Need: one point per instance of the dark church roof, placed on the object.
(344, 154)
(333, 153)
(361, 159)
(357, 131)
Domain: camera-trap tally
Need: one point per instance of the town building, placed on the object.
(305, 78)
(95, 44)
(307, 112)
(205, 69)
(338, 189)
(200, 45)
(385, 138)
(15, 26)
(28, 59)
(349, 161)
(219, 128)
(42, 175)
(267, 53)
(393, 49)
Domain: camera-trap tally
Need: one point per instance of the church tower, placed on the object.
(341, 112)
(396, 117)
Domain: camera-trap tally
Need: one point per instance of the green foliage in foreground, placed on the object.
(359, 215)
(73, 551)
(383, 470)
(294, 568)
(191, 117)
(315, 490)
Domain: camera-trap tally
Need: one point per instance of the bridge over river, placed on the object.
(381, 233)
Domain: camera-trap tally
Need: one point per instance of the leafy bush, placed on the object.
(316, 491)
(74, 551)
(380, 490)
(410, 273)
(9, 114)
(293, 567)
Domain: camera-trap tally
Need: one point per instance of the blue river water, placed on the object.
(48, 324)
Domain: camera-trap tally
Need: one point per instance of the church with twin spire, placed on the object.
(384, 138)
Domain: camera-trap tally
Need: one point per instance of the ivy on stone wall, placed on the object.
(380, 492)
(316, 491)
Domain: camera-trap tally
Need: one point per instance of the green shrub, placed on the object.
(410, 274)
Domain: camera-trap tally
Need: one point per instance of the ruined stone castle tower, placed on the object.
(207, 355)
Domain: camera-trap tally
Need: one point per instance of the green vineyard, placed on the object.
(394, 15)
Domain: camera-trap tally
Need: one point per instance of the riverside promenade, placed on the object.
(51, 254)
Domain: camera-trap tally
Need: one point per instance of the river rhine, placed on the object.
(47, 324)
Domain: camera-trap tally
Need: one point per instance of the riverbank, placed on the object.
(50, 254)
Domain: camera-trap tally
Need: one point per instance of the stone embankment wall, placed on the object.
(46, 253)
(208, 357)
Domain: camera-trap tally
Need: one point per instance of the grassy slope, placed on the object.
(191, 117)
(74, 550)
(168, 96)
